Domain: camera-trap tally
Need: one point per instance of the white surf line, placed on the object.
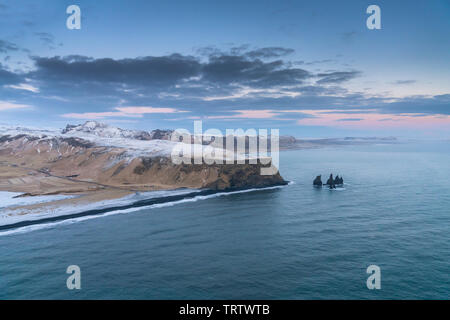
(35, 227)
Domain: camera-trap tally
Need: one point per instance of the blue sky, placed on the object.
(310, 68)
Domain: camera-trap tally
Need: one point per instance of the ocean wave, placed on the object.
(57, 211)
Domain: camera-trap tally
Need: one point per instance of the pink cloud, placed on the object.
(99, 115)
(5, 105)
(372, 120)
(129, 111)
(248, 114)
(146, 110)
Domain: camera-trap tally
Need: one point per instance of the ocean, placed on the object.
(290, 242)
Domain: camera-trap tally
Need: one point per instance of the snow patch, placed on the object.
(7, 199)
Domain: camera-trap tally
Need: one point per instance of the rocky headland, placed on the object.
(98, 162)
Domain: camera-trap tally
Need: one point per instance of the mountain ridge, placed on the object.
(93, 157)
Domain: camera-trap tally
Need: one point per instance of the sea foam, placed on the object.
(125, 201)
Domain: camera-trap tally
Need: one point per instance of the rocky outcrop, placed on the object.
(338, 180)
(318, 181)
(331, 183)
(214, 176)
(48, 159)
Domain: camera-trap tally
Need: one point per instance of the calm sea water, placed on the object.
(295, 242)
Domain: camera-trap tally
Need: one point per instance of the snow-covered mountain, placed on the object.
(136, 143)
(95, 155)
(106, 131)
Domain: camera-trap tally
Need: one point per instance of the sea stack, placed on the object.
(338, 180)
(330, 182)
(318, 181)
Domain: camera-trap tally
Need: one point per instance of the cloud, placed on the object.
(379, 120)
(47, 38)
(97, 115)
(173, 76)
(132, 112)
(248, 114)
(349, 37)
(439, 104)
(150, 71)
(316, 62)
(28, 23)
(24, 86)
(269, 52)
(169, 71)
(405, 81)
(6, 46)
(210, 51)
(8, 77)
(252, 72)
(350, 119)
(146, 110)
(260, 114)
(337, 76)
(6, 105)
(241, 83)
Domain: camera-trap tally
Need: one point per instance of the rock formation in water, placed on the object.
(330, 182)
(338, 180)
(318, 181)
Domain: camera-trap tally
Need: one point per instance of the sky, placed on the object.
(308, 68)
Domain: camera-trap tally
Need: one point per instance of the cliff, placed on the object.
(96, 157)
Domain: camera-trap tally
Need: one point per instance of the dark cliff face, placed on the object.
(242, 176)
(75, 157)
(211, 176)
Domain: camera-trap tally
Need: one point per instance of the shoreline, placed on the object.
(137, 204)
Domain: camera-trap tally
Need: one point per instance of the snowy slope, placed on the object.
(136, 143)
